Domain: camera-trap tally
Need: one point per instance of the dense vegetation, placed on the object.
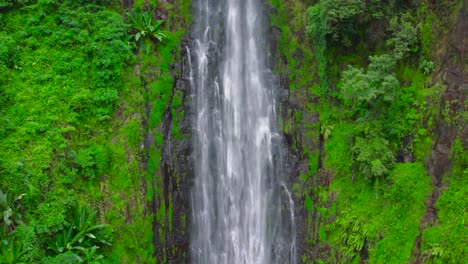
(377, 105)
(72, 178)
(86, 87)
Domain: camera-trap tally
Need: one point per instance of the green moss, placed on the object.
(441, 242)
(387, 220)
(338, 149)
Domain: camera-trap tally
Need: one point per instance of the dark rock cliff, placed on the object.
(450, 125)
(303, 139)
(177, 166)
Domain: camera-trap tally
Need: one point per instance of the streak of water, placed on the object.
(242, 212)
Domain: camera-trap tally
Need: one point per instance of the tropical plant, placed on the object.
(144, 25)
(10, 214)
(90, 254)
(427, 66)
(81, 236)
(11, 251)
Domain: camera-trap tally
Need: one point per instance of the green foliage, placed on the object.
(65, 258)
(403, 36)
(318, 29)
(8, 52)
(427, 66)
(359, 150)
(11, 251)
(71, 123)
(6, 3)
(404, 116)
(378, 204)
(308, 203)
(142, 22)
(385, 223)
(338, 149)
(426, 37)
(335, 18)
(93, 161)
(82, 236)
(10, 211)
(9, 4)
(372, 154)
(441, 242)
(341, 17)
(65, 66)
(369, 90)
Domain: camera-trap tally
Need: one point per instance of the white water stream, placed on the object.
(242, 212)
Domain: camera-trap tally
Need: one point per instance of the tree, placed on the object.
(338, 16)
(372, 155)
(403, 36)
(369, 90)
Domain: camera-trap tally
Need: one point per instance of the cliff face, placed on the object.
(304, 118)
(177, 170)
(307, 119)
(323, 193)
(92, 116)
(450, 126)
(161, 76)
(173, 173)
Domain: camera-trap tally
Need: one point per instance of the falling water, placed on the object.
(242, 212)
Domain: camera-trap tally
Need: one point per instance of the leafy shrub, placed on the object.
(93, 161)
(403, 36)
(10, 211)
(63, 258)
(338, 149)
(9, 4)
(369, 90)
(337, 17)
(6, 3)
(8, 49)
(383, 219)
(144, 26)
(11, 251)
(81, 235)
(372, 154)
(427, 66)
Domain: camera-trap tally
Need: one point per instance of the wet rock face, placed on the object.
(177, 168)
(454, 75)
(294, 138)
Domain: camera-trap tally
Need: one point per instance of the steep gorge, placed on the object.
(119, 138)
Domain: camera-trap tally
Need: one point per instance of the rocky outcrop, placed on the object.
(450, 125)
(168, 143)
(177, 165)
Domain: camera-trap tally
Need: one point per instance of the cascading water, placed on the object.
(242, 212)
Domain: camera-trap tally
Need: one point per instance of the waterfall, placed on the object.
(242, 212)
